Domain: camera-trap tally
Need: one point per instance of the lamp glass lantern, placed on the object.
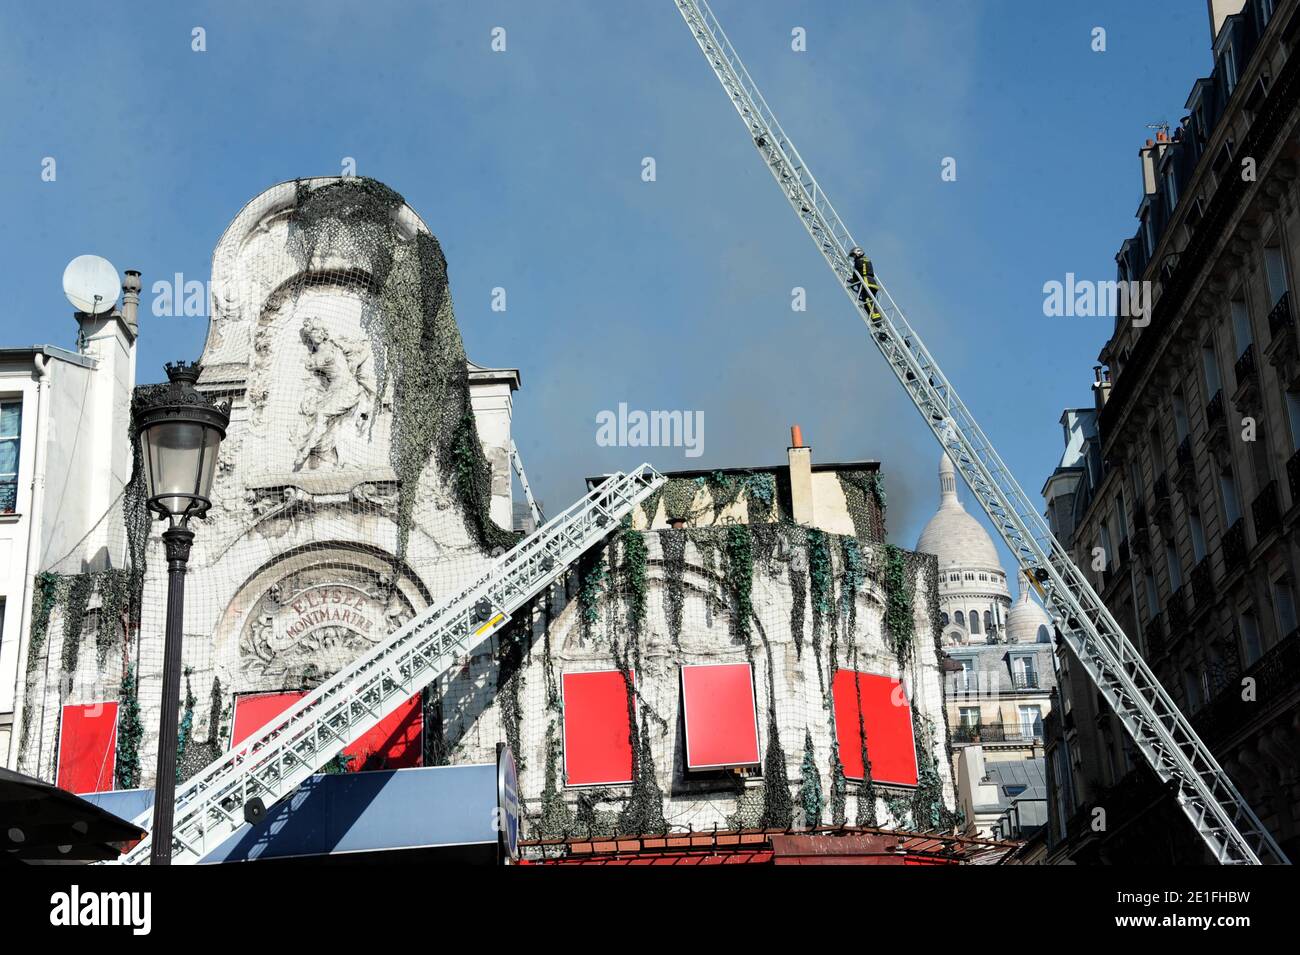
(180, 432)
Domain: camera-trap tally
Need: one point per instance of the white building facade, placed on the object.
(366, 475)
(64, 460)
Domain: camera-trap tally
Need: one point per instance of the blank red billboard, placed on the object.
(721, 720)
(87, 747)
(887, 718)
(397, 742)
(255, 710)
(597, 729)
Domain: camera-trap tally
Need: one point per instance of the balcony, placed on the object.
(1246, 372)
(1176, 614)
(1025, 681)
(1222, 675)
(968, 683)
(1265, 511)
(1280, 320)
(997, 732)
(1281, 351)
(1157, 645)
(1234, 546)
(1163, 511)
(1186, 477)
(1276, 675)
(1141, 533)
(1203, 591)
(1215, 416)
(1216, 424)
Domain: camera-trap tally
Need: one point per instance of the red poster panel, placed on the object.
(887, 718)
(597, 731)
(255, 710)
(396, 743)
(721, 720)
(87, 747)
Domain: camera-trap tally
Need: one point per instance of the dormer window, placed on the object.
(1171, 190)
(1148, 235)
(1228, 68)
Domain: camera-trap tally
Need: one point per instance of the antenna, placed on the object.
(91, 284)
(1160, 127)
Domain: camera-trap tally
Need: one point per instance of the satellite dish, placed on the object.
(91, 284)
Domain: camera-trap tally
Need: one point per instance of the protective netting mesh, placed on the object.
(353, 485)
(650, 601)
(365, 476)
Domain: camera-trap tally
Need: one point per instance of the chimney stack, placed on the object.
(1101, 385)
(1149, 154)
(131, 302)
(801, 493)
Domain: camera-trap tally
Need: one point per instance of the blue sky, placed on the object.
(673, 294)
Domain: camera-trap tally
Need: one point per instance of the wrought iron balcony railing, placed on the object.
(1279, 316)
(1025, 681)
(1265, 511)
(997, 732)
(1276, 675)
(1176, 614)
(1215, 416)
(1245, 367)
(1156, 642)
(1203, 591)
(1234, 546)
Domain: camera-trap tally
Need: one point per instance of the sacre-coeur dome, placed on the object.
(955, 537)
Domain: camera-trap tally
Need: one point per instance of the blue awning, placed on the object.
(430, 808)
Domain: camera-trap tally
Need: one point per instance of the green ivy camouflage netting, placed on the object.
(615, 594)
(795, 603)
(420, 366)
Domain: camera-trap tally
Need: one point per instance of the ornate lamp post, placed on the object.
(180, 431)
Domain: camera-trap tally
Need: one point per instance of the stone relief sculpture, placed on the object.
(344, 388)
(318, 618)
(396, 609)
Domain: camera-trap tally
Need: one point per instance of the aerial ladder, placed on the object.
(276, 759)
(1159, 730)
(517, 463)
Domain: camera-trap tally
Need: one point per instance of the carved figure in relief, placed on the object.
(344, 385)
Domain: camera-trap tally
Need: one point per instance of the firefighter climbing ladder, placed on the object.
(279, 757)
(1163, 735)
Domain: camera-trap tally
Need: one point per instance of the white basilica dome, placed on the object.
(973, 594)
(956, 538)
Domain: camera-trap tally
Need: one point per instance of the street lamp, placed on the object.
(180, 431)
